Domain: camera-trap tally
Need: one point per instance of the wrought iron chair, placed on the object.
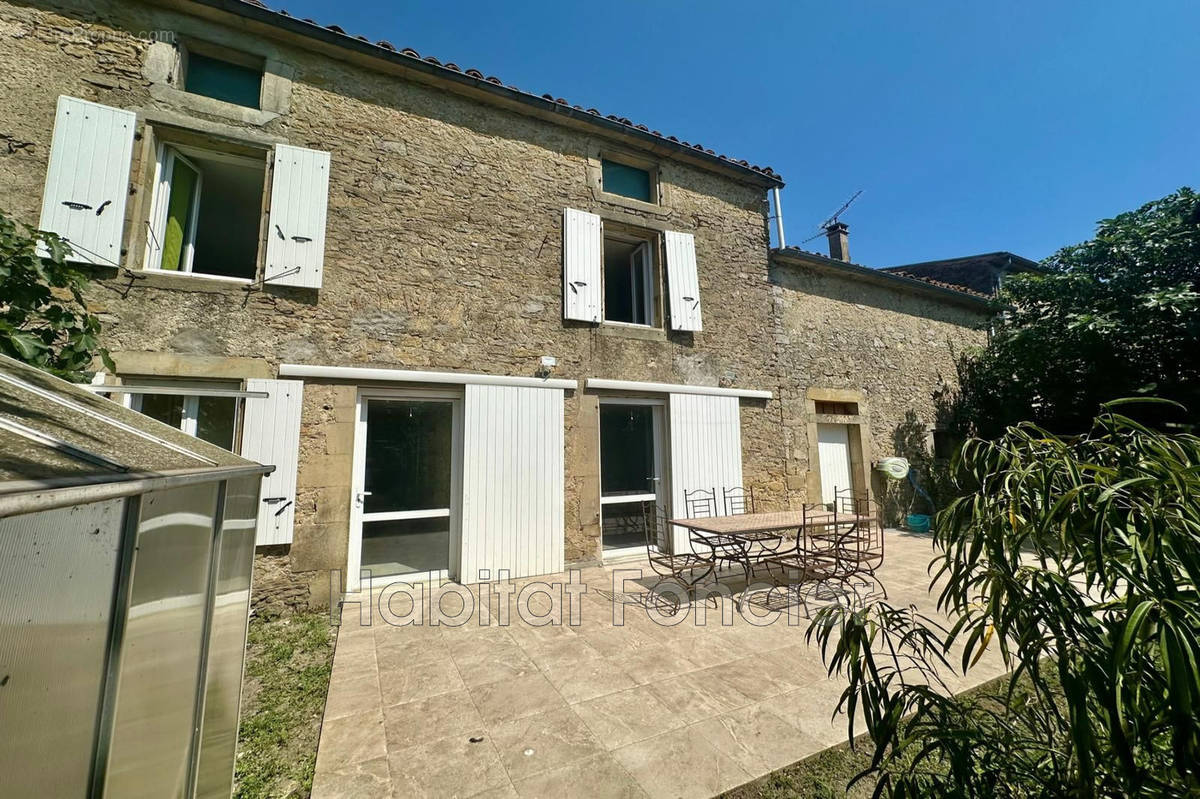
(687, 568)
(738, 500)
(700, 503)
(810, 565)
(854, 539)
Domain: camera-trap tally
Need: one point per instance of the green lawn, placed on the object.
(288, 662)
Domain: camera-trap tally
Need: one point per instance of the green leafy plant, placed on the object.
(1115, 316)
(44, 320)
(1077, 559)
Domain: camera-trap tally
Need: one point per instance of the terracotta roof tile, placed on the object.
(474, 73)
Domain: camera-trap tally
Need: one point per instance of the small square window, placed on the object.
(205, 213)
(630, 278)
(223, 80)
(627, 181)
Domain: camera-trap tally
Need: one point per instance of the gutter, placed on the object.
(658, 145)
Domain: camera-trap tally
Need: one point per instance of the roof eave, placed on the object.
(645, 139)
(879, 277)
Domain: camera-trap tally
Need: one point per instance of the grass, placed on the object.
(288, 662)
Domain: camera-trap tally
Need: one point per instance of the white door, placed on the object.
(833, 452)
(407, 472)
(632, 481)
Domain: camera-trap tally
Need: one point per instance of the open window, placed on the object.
(630, 276)
(206, 212)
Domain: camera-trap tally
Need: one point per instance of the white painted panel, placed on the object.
(296, 234)
(683, 281)
(512, 505)
(583, 265)
(706, 450)
(833, 452)
(87, 180)
(271, 435)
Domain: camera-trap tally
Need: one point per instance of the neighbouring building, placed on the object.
(475, 329)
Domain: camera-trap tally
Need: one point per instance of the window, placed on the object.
(238, 83)
(630, 280)
(627, 181)
(945, 442)
(213, 419)
(837, 408)
(206, 212)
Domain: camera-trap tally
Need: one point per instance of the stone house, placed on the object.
(475, 329)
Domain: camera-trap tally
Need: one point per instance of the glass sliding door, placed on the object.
(407, 501)
(631, 472)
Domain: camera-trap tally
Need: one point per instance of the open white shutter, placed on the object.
(88, 179)
(706, 451)
(512, 506)
(296, 234)
(583, 255)
(683, 283)
(271, 435)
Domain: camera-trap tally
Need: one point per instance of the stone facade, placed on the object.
(444, 252)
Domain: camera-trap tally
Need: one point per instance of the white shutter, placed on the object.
(583, 256)
(271, 435)
(512, 506)
(833, 454)
(296, 234)
(683, 282)
(706, 451)
(87, 180)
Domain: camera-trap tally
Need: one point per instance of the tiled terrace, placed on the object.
(590, 709)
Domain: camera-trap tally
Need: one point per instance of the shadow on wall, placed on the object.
(910, 440)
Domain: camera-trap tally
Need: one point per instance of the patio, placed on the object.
(509, 709)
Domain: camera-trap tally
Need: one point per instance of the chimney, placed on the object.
(839, 241)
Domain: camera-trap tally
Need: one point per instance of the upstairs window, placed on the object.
(630, 277)
(627, 181)
(207, 208)
(238, 82)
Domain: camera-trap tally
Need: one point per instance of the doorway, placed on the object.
(407, 465)
(833, 453)
(632, 479)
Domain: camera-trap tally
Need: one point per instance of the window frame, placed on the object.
(658, 192)
(217, 52)
(189, 418)
(649, 243)
(167, 152)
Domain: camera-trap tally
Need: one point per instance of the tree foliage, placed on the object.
(1077, 559)
(43, 318)
(1115, 316)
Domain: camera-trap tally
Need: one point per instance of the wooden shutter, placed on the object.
(706, 450)
(87, 180)
(271, 435)
(683, 283)
(583, 256)
(512, 508)
(296, 234)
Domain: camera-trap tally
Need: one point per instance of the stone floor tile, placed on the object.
(563, 652)
(705, 650)
(588, 679)
(749, 676)
(496, 661)
(351, 740)
(680, 763)
(542, 742)
(756, 739)
(506, 700)
(449, 768)
(392, 653)
(441, 716)
(421, 681)
(653, 664)
(599, 777)
(626, 717)
(811, 709)
(356, 781)
(692, 697)
(352, 696)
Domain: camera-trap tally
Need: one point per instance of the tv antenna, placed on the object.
(824, 227)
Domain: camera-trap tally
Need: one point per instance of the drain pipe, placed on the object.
(778, 218)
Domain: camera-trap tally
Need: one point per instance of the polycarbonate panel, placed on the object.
(227, 642)
(57, 577)
(160, 666)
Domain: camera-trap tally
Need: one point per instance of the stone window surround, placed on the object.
(163, 66)
(158, 126)
(598, 153)
(861, 451)
(657, 332)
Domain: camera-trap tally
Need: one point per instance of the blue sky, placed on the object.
(970, 126)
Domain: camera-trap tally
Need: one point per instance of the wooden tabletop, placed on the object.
(764, 522)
